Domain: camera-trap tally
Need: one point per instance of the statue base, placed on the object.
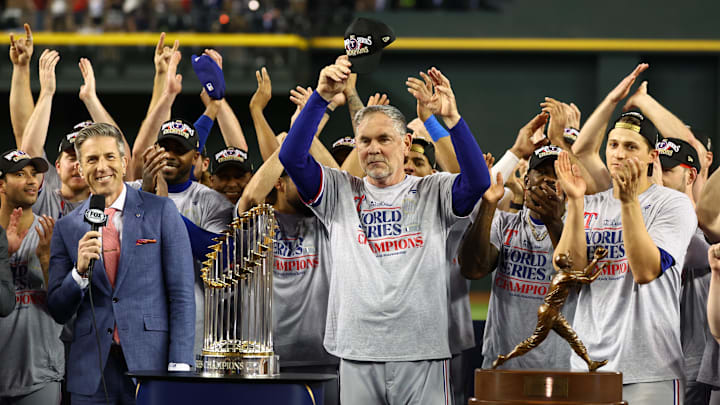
(242, 364)
(541, 387)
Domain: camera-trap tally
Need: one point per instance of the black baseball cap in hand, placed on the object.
(674, 151)
(364, 42)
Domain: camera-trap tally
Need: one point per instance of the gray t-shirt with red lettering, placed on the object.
(636, 327)
(519, 284)
(301, 282)
(32, 353)
(388, 293)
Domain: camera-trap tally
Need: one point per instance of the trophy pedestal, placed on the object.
(536, 387)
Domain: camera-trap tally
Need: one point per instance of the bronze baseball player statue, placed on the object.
(549, 314)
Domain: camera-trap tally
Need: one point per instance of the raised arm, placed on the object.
(642, 253)
(151, 125)
(474, 177)
(708, 209)
(477, 255)
(88, 95)
(422, 90)
(303, 169)
(570, 181)
(161, 58)
(713, 304)
(230, 128)
(21, 99)
(33, 140)
(261, 183)
(589, 141)
(258, 102)
(666, 122)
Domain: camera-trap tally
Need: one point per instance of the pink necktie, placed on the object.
(111, 253)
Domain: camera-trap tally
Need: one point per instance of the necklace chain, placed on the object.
(534, 230)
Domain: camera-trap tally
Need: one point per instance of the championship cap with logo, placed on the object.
(230, 156)
(364, 42)
(67, 143)
(181, 131)
(424, 147)
(547, 153)
(14, 160)
(343, 143)
(674, 151)
(646, 128)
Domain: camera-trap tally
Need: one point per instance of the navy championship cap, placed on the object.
(640, 124)
(15, 160)
(364, 42)
(67, 142)
(230, 156)
(547, 153)
(674, 151)
(181, 131)
(426, 148)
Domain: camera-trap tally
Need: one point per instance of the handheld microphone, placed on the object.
(95, 216)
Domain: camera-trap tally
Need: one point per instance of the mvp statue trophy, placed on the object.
(501, 387)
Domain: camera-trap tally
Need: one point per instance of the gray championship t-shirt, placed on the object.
(301, 283)
(32, 353)
(694, 329)
(50, 201)
(388, 292)
(519, 285)
(636, 327)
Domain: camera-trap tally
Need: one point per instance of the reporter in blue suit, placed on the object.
(145, 310)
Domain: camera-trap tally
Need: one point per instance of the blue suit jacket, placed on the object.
(152, 302)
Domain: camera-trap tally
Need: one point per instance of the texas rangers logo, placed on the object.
(358, 45)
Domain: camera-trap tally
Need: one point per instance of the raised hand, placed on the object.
(378, 99)
(570, 180)
(14, 236)
(524, 145)
(87, 90)
(422, 90)
(299, 97)
(44, 231)
(516, 183)
(47, 63)
(626, 180)
(333, 78)
(154, 161)
(263, 94)
(573, 115)
(637, 98)
(215, 56)
(558, 120)
(163, 54)
(21, 49)
(623, 88)
(174, 80)
(444, 97)
(714, 257)
(495, 192)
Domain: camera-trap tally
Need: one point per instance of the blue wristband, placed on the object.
(435, 130)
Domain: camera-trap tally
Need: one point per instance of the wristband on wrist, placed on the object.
(516, 206)
(571, 135)
(435, 130)
(328, 111)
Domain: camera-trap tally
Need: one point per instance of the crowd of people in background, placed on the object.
(378, 234)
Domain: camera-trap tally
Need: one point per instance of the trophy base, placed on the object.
(541, 387)
(243, 364)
